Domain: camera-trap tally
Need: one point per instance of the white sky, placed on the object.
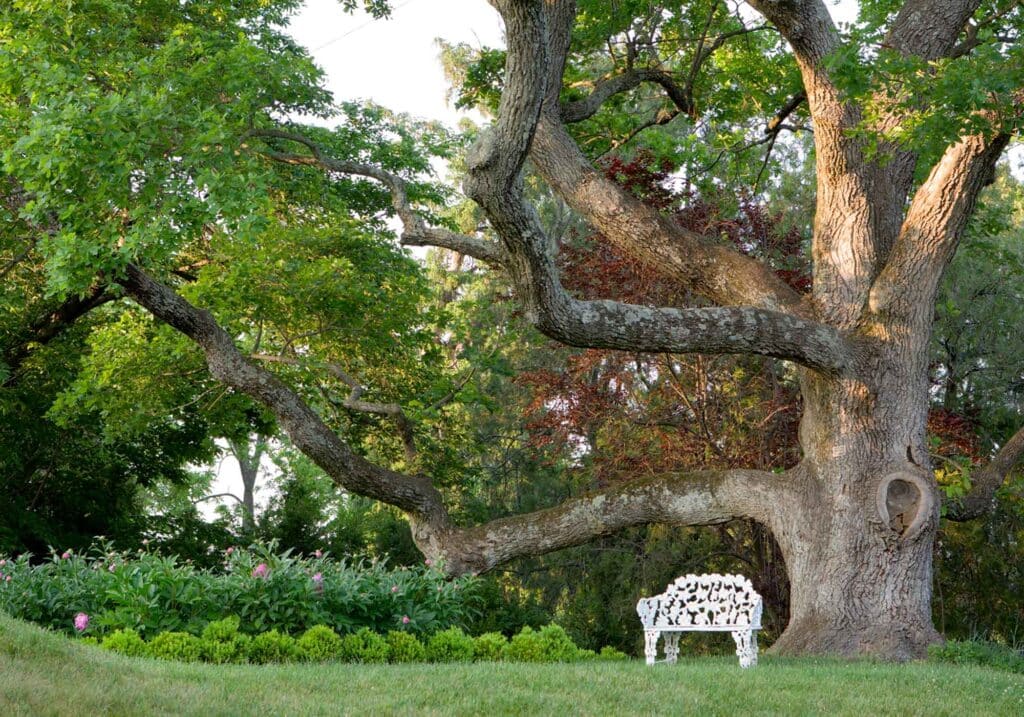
(394, 62)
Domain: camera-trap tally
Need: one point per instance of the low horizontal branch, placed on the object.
(699, 498)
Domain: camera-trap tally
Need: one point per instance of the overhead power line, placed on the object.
(357, 28)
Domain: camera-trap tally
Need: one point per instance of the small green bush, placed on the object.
(222, 630)
(319, 644)
(223, 643)
(451, 645)
(125, 642)
(977, 652)
(549, 644)
(525, 646)
(404, 647)
(179, 646)
(489, 646)
(234, 650)
(610, 653)
(364, 646)
(558, 646)
(272, 646)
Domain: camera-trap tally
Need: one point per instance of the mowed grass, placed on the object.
(47, 674)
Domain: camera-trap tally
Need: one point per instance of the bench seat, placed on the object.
(702, 603)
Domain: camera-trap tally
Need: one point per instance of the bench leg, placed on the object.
(671, 647)
(746, 647)
(651, 645)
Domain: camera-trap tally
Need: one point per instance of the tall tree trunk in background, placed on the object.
(249, 465)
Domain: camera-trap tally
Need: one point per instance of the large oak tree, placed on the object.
(909, 116)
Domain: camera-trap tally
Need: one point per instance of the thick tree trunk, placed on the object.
(858, 540)
(860, 567)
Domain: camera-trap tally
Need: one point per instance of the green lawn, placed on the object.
(46, 674)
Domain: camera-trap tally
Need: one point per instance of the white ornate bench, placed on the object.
(712, 603)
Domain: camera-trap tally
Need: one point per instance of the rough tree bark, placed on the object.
(856, 520)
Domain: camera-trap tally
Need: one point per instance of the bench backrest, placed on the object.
(703, 601)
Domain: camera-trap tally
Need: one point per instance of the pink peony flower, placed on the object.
(111, 567)
(318, 578)
(260, 571)
(81, 621)
(318, 554)
(229, 550)
(405, 620)
(428, 562)
(394, 588)
(65, 555)
(8, 578)
(3, 563)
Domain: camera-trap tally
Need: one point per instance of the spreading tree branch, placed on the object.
(51, 325)
(416, 231)
(354, 401)
(493, 181)
(721, 274)
(414, 494)
(935, 222)
(698, 498)
(218, 495)
(980, 500)
(609, 324)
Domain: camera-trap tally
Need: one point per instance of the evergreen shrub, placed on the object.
(451, 645)
(404, 647)
(364, 646)
(319, 644)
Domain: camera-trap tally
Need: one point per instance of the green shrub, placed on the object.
(319, 644)
(610, 653)
(558, 646)
(525, 646)
(272, 646)
(125, 642)
(234, 650)
(451, 645)
(222, 630)
(223, 643)
(489, 646)
(179, 646)
(549, 644)
(404, 647)
(364, 646)
(977, 652)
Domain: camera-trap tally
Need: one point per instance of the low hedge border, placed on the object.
(221, 642)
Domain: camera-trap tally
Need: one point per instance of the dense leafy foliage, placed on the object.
(153, 594)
